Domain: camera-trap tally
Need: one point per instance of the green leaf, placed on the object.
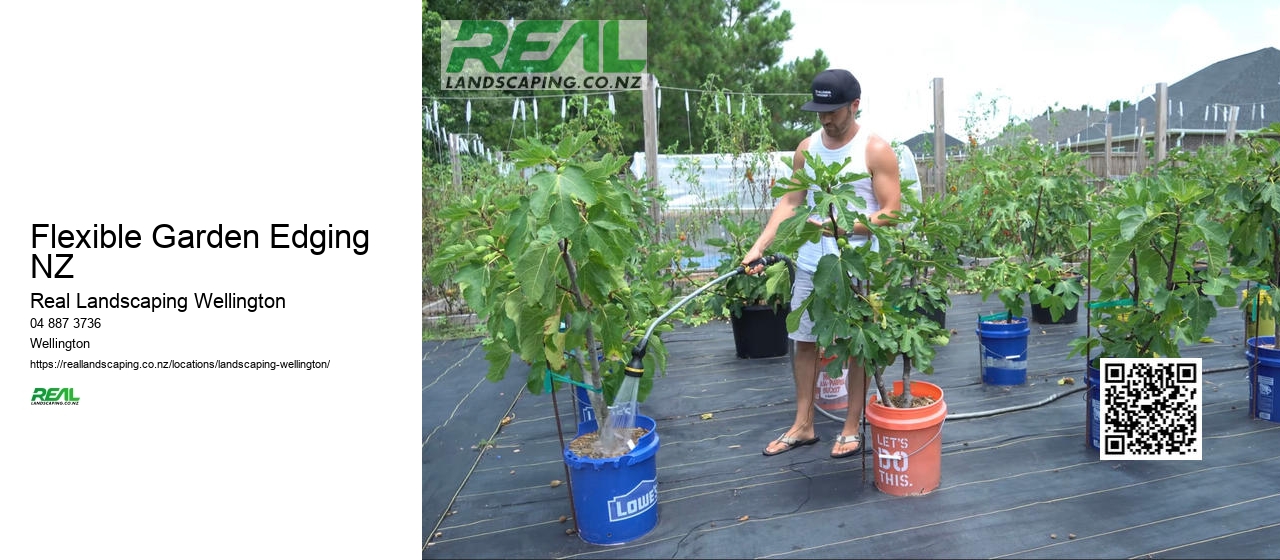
(572, 182)
(530, 333)
(538, 269)
(565, 220)
(498, 354)
(1130, 220)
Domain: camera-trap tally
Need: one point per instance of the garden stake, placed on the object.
(568, 480)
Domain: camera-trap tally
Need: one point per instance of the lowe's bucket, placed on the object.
(1092, 424)
(1264, 378)
(583, 400)
(1002, 350)
(908, 442)
(616, 499)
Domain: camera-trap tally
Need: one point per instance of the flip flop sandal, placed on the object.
(790, 443)
(844, 440)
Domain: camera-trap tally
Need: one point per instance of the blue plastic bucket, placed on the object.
(616, 499)
(1094, 396)
(1002, 351)
(583, 400)
(1264, 377)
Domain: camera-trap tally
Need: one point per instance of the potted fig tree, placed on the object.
(1253, 197)
(756, 305)
(872, 311)
(1146, 248)
(564, 280)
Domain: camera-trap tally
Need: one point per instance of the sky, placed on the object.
(1002, 58)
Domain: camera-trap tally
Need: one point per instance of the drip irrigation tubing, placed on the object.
(1016, 408)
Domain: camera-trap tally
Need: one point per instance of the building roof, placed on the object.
(920, 142)
(1198, 103)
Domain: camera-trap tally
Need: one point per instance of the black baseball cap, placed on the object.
(833, 89)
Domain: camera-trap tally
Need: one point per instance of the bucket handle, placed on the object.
(983, 350)
(900, 455)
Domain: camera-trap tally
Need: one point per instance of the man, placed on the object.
(836, 98)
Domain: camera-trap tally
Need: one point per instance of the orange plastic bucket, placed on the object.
(908, 442)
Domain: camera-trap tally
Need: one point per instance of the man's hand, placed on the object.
(828, 228)
(752, 256)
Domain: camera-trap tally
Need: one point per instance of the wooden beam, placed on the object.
(1162, 121)
(939, 139)
(650, 107)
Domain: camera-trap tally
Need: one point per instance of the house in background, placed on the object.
(1201, 110)
(922, 145)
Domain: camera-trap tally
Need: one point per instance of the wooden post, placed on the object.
(1232, 112)
(939, 139)
(1106, 158)
(651, 145)
(1162, 121)
(453, 159)
(1140, 145)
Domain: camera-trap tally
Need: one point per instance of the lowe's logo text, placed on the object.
(54, 395)
(542, 54)
(635, 502)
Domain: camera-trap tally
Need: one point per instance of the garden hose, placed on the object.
(635, 368)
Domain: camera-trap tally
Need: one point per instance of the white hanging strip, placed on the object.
(659, 90)
(742, 105)
(1215, 113)
(611, 110)
(1264, 111)
(1253, 113)
(564, 107)
(535, 110)
(515, 109)
(728, 104)
(1206, 113)
(524, 112)
(426, 119)
(1179, 109)
(584, 106)
(686, 102)
(760, 105)
(435, 110)
(1170, 110)
(468, 111)
(717, 104)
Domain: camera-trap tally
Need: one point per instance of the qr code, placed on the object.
(1150, 409)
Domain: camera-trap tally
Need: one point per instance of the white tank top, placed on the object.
(856, 150)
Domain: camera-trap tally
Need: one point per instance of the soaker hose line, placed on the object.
(1028, 406)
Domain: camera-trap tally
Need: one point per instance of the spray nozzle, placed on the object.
(765, 261)
(635, 368)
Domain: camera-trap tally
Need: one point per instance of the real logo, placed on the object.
(54, 395)
(542, 54)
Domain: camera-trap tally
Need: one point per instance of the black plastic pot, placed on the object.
(938, 316)
(1041, 315)
(1070, 315)
(761, 332)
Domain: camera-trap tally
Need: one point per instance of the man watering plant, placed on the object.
(836, 97)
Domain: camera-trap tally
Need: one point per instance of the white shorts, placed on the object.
(799, 290)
